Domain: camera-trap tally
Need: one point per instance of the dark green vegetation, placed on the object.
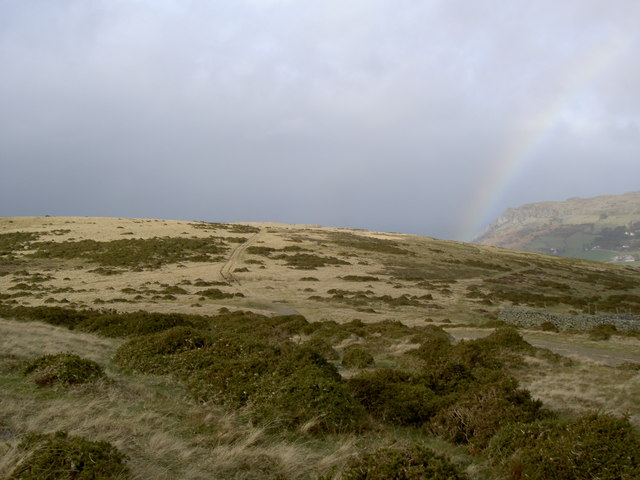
(229, 227)
(58, 456)
(355, 356)
(462, 393)
(134, 253)
(588, 292)
(64, 369)
(368, 244)
(413, 463)
(297, 260)
(360, 278)
(107, 323)
(245, 361)
(593, 446)
(10, 242)
(367, 297)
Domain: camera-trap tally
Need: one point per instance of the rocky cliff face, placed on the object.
(568, 227)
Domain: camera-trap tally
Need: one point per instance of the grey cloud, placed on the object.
(375, 114)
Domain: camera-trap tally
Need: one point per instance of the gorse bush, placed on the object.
(369, 244)
(107, 323)
(58, 456)
(323, 347)
(309, 261)
(394, 397)
(486, 406)
(283, 385)
(502, 346)
(59, 316)
(156, 353)
(63, 368)
(412, 463)
(309, 398)
(602, 332)
(217, 294)
(137, 323)
(334, 332)
(274, 330)
(134, 253)
(354, 356)
(593, 446)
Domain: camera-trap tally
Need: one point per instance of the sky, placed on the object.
(425, 117)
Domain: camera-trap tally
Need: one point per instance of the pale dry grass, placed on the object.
(586, 386)
(151, 419)
(273, 289)
(27, 340)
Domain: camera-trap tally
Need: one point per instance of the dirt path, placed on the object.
(253, 301)
(226, 271)
(609, 353)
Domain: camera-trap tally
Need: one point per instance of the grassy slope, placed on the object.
(380, 276)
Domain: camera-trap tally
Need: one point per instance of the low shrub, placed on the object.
(355, 356)
(435, 345)
(412, 463)
(393, 396)
(503, 346)
(593, 446)
(231, 381)
(632, 366)
(323, 347)
(602, 332)
(59, 316)
(137, 323)
(135, 253)
(156, 353)
(63, 368)
(60, 456)
(284, 387)
(274, 330)
(215, 294)
(306, 400)
(308, 261)
(482, 409)
(360, 278)
(335, 332)
(548, 327)
(505, 338)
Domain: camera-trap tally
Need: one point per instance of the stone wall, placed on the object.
(533, 318)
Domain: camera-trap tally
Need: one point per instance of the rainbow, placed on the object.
(518, 151)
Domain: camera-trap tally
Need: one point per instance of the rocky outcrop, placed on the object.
(521, 228)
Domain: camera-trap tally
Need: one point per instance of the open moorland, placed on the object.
(172, 349)
(604, 229)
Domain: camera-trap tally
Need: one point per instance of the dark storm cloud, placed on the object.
(389, 115)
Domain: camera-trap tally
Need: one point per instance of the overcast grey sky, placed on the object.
(426, 117)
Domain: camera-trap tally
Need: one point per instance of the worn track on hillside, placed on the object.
(226, 271)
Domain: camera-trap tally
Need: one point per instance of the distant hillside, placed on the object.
(605, 228)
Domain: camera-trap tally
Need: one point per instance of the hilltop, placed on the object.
(319, 272)
(605, 228)
(266, 350)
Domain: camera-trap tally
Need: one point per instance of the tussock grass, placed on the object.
(150, 419)
(584, 387)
